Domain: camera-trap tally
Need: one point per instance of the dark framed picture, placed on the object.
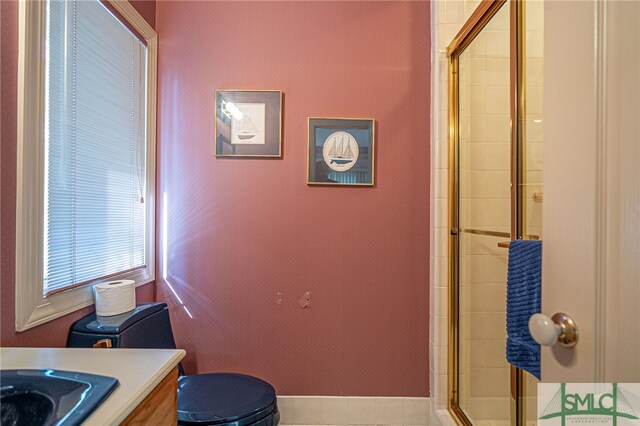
(248, 123)
(341, 151)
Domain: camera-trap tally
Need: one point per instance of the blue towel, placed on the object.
(523, 300)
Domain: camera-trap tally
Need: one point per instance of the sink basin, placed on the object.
(50, 397)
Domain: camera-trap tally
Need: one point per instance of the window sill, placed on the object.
(39, 310)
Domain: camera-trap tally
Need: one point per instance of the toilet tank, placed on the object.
(147, 326)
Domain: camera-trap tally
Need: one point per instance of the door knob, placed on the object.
(560, 328)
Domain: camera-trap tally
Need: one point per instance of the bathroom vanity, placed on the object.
(148, 378)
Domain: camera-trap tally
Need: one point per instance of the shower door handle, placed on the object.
(560, 328)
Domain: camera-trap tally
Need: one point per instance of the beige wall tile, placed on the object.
(389, 411)
(490, 213)
(488, 353)
(490, 408)
(489, 298)
(441, 210)
(535, 71)
(441, 296)
(534, 13)
(477, 48)
(469, 7)
(465, 179)
(483, 244)
(490, 184)
(498, 128)
(498, 100)
(306, 410)
(488, 269)
(285, 406)
(534, 100)
(441, 274)
(534, 177)
(488, 326)
(478, 98)
(454, 12)
(535, 128)
(441, 242)
(440, 392)
(441, 354)
(441, 189)
(416, 411)
(535, 156)
(443, 127)
(477, 128)
(490, 382)
(443, 74)
(334, 411)
(441, 156)
(500, 22)
(464, 129)
(477, 72)
(535, 44)
(440, 331)
(361, 411)
(498, 72)
(443, 146)
(497, 43)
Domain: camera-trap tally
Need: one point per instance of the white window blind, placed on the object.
(95, 114)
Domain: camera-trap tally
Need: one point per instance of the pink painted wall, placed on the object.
(53, 333)
(241, 230)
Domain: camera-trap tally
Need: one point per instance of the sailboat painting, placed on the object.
(247, 128)
(340, 151)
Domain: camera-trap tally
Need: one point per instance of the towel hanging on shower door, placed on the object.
(523, 300)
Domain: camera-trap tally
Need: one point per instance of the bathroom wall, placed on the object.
(246, 238)
(53, 333)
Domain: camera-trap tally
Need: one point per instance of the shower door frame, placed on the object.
(474, 25)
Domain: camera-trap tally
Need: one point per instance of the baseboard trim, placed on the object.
(444, 417)
(354, 410)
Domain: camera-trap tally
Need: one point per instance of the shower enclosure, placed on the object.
(495, 80)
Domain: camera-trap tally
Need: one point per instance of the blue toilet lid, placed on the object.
(223, 398)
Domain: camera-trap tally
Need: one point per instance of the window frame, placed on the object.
(32, 308)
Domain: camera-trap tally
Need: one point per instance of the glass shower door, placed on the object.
(484, 222)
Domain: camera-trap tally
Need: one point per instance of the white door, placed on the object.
(591, 209)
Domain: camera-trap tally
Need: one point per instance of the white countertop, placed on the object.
(138, 371)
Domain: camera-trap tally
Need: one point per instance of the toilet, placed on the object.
(225, 399)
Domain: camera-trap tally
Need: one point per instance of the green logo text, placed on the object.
(613, 404)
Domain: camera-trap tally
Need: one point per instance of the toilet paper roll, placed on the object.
(114, 297)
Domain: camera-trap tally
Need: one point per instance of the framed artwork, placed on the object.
(341, 151)
(248, 123)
